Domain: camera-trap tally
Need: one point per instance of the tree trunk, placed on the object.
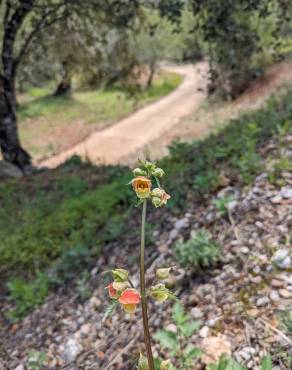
(64, 87)
(151, 75)
(9, 140)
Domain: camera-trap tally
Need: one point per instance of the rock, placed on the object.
(274, 296)
(214, 348)
(276, 283)
(172, 328)
(282, 259)
(262, 301)
(20, 367)
(86, 329)
(94, 302)
(181, 224)
(277, 199)
(196, 313)
(244, 250)
(286, 192)
(8, 170)
(71, 350)
(256, 279)
(284, 293)
(173, 234)
(203, 333)
(246, 353)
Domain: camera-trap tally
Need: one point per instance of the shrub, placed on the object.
(198, 252)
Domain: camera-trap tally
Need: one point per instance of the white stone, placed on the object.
(263, 301)
(20, 367)
(181, 224)
(196, 313)
(286, 192)
(203, 333)
(72, 349)
(282, 259)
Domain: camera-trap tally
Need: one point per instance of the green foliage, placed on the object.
(227, 363)
(285, 319)
(27, 295)
(58, 221)
(177, 343)
(234, 150)
(198, 252)
(36, 360)
(251, 29)
(221, 204)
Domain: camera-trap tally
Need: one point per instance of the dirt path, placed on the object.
(146, 125)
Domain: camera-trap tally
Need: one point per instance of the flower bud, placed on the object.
(139, 172)
(120, 275)
(120, 286)
(159, 197)
(149, 166)
(159, 292)
(143, 363)
(142, 186)
(158, 172)
(163, 273)
(165, 365)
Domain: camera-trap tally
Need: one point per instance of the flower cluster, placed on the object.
(129, 297)
(142, 184)
(119, 290)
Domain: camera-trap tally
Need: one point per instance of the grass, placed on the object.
(42, 116)
(54, 222)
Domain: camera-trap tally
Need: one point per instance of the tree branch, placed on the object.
(41, 24)
(10, 32)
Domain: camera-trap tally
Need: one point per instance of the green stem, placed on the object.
(147, 339)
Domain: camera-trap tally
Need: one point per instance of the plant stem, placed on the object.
(147, 339)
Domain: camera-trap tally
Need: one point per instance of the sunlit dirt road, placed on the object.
(147, 124)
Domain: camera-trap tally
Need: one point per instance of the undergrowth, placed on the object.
(79, 207)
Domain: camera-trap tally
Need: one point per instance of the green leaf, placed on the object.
(189, 328)
(190, 351)
(267, 363)
(226, 363)
(167, 339)
(110, 310)
(178, 314)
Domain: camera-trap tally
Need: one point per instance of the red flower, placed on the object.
(112, 291)
(129, 300)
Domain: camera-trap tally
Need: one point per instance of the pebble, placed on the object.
(181, 224)
(282, 259)
(274, 296)
(71, 350)
(246, 353)
(20, 367)
(277, 199)
(276, 283)
(172, 328)
(173, 234)
(196, 313)
(262, 301)
(244, 250)
(284, 293)
(203, 333)
(286, 192)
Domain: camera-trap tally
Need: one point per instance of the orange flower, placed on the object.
(129, 300)
(113, 293)
(142, 186)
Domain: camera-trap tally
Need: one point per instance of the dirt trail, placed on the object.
(146, 125)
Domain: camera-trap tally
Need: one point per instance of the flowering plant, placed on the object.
(121, 290)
